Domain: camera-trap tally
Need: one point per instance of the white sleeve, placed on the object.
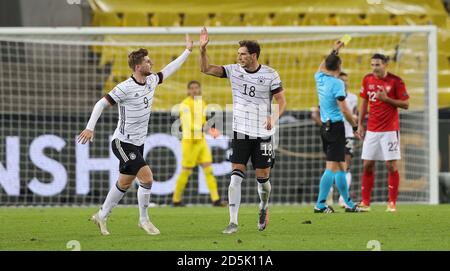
(227, 70)
(117, 94)
(173, 66)
(98, 108)
(276, 85)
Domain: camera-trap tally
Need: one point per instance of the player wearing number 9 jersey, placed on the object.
(134, 98)
(253, 87)
(383, 92)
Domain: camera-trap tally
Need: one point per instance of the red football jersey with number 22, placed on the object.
(383, 117)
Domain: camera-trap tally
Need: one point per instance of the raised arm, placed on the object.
(336, 47)
(205, 67)
(88, 133)
(173, 66)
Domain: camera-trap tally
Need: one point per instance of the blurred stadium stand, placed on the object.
(289, 13)
(110, 13)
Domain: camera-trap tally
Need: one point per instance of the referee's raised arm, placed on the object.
(205, 67)
(336, 47)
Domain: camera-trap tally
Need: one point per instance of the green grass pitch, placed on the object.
(413, 227)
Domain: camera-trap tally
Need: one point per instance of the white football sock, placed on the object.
(234, 195)
(115, 194)
(264, 193)
(349, 179)
(143, 195)
(330, 195)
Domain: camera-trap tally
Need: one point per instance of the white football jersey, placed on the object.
(252, 98)
(352, 104)
(134, 102)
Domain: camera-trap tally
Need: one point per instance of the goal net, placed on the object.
(50, 80)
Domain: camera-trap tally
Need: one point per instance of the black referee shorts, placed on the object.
(259, 150)
(333, 141)
(130, 157)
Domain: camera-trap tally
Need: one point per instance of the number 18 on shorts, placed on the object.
(381, 146)
(259, 150)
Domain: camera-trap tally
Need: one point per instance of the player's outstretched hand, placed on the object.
(189, 42)
(203, 38)
(85, 136)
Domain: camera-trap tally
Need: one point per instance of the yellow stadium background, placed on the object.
(296, 62)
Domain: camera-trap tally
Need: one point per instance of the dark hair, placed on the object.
(333, 62)
(343, 74)
(382, 57)
(136, 57)
(193, 82)
(252, 46)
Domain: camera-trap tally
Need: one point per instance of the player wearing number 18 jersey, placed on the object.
(253, 87)
(383, 92)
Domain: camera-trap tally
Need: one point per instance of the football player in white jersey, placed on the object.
(253, 87)
(134, 97)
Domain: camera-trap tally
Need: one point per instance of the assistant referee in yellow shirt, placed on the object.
(195, 150)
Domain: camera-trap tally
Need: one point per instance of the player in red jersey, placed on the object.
(384, 92)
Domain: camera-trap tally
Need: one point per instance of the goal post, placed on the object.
(433, 115)
(50, 79)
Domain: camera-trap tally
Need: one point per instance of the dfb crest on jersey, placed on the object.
(132, 156)
(261, 80)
